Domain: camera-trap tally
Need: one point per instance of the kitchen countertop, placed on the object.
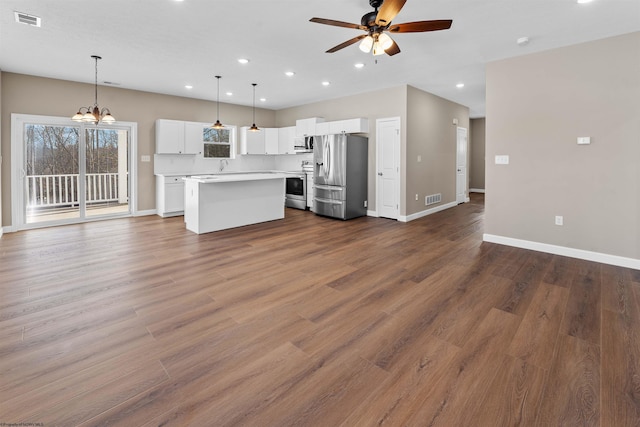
(235, 176)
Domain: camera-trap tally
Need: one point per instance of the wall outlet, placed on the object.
(419, 158)
(416, 197)
(559, 220)
(502, 160)
(365, 203)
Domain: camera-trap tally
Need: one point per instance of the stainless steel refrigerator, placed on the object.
(340, 176)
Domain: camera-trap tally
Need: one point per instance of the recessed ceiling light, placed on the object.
(289, 73)
(243, 60)
(359, 65)
(229, 93)
(583, 1)
(523, 41)
(325, 83)
(188, 87)
(263, 99)
(460, 85)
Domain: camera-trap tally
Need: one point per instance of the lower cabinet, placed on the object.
(169, 195)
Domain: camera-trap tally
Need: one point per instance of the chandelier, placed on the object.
(93, 114)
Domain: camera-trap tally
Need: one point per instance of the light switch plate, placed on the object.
(584, 140)
(145, 158)
(502, 160)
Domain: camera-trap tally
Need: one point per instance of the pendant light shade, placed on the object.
(93, 114)
(253, 127)
(217, 124)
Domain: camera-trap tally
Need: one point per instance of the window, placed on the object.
(219, 143)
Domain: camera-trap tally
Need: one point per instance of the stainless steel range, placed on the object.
(296, 190)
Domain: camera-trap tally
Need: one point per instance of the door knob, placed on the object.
(379, 173)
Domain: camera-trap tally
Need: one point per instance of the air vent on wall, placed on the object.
(433, 199)
(24, 18)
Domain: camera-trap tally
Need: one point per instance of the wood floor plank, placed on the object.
(311, 321)
(620, 396)
(536, 338)
(572, 392)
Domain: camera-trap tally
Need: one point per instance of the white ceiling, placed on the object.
(162, 45)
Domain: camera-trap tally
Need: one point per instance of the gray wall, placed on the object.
(537, 106)
(24, 94)
(432, 135)
(477, 150)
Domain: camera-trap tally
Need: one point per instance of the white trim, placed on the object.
(373, 213)
(146, 212)
(564, 251)
(476, 190)
(17, 158)
(417, 215)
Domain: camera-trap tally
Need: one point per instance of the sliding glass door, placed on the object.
(69, 172)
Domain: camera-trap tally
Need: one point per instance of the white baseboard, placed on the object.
(476, 190)
(564, 251)
(407, 218)
(9, 229)
(372, 213)
(145, 213)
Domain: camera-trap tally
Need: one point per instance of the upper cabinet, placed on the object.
(286, 140)
(360, 125)
(179, 137)
(307, 127)
(264, 141)
(252, 142)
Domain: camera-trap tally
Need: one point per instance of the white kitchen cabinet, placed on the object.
(359, 125)
(252, 142)
(307, 127)
(178, 137)
(169, 195)
(310, 190)
(322, 128)
(286, 140)
(271, 141)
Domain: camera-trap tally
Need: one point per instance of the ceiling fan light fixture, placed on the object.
(385, 41)
(377, 49)
(366, 44)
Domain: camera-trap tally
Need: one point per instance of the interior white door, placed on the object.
(388, 167)
(461, 166)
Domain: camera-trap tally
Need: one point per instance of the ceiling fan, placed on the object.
(377, 22)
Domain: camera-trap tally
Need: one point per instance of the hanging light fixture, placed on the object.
(217, 124)
(93, 114)
(253, 127)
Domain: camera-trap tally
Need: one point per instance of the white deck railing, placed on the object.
(62, 190)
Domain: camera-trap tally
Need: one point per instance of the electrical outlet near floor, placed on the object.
(416, 197)
(559, 220)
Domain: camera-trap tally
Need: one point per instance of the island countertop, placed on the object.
(235, 176)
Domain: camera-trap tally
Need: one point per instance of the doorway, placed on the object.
(461, 166)
(66, 172)
(388, 167)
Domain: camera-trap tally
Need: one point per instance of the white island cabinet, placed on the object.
(218, 202)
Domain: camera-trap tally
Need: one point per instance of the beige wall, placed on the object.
(477, 149)
(35, 95)
(537, 106)
(431, 135)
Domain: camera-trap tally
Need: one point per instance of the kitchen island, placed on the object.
(218, 202)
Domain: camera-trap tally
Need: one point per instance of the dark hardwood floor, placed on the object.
(310, 321)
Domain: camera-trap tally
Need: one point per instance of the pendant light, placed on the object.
(93, 114)
(253, 127)
(217, 124)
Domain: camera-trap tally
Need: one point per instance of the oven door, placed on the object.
(296, 192)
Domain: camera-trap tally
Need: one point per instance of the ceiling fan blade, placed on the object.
(421, 26)
(337, 23)
(347, 43)
(388, 11)
(393, 49)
